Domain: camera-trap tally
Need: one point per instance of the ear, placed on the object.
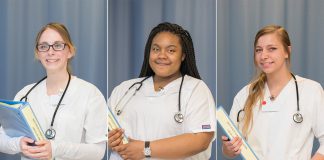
(70, 54)
(36, 56)
(183, 56)
(289, 52)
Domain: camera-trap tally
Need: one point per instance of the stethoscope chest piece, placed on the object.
(50, 133)
(298, 118)
(178, 117)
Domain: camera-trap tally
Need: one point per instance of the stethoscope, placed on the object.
(297, 117)
(178, 117)
(50, 133)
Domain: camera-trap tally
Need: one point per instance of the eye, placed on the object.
(258, 50)
(57, 45)
(272, 49)
(43, 47)
(171, 50)
(155, 49)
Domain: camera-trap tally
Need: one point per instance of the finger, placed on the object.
(119, 148)
(40, 155)
(124, 156)
(237, 152)
(115, 131)
(224, 138)
(130, 139)
(115, 136)
(115, 143)
(27, 140)
(236, 142)
(112, 132)
(42, 142)
(36, 149)
(238, 146)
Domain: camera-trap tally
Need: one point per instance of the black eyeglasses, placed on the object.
(45, 47)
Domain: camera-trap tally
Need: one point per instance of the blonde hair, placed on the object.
(256, 89)
(64, 33)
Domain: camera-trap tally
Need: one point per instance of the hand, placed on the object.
(24, 145)
(133, 150)
(115, 138)
(232, 148)
(41, 150)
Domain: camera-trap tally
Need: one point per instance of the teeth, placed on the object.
(52, 60)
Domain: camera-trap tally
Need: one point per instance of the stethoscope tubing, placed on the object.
(178, 116)
(297, 117)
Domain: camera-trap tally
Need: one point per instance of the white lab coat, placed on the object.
(80, 122)
(149, 115)
(274, 134)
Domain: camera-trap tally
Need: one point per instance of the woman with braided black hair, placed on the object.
(168, 112)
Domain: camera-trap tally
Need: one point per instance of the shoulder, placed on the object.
(124, 86)
(308, 83)
(192, 83)
(243, 93)
(82, 86)
(23, 91)
(309, 86)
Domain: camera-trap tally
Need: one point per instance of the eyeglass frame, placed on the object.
(64, 44)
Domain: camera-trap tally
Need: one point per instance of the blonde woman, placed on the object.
(278, 113)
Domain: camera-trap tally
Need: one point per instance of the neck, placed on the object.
(160, 82)
(276, 82)
(56, 82)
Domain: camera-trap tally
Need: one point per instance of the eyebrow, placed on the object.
(53, 43)
(171, 45)
(270, 45)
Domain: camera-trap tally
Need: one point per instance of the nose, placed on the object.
(162, 54)
(264, 55)
(50, 51)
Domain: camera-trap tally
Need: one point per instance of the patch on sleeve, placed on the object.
(205, 126)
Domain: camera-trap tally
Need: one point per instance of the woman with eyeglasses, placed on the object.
(278, 113)
(72, 112)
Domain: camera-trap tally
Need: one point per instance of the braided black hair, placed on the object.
(188, 66)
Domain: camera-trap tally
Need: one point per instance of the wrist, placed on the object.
(147, 149)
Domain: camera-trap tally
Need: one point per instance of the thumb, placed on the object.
(130, 139)
(28, 140)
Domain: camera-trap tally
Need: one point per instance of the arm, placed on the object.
(318, 156)
(9, 145)
(318, 120)
(190, 144)
(168, 148)
(68, 150)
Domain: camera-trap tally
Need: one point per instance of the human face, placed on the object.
(52, 60)
(166, 55)
(270, 54)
